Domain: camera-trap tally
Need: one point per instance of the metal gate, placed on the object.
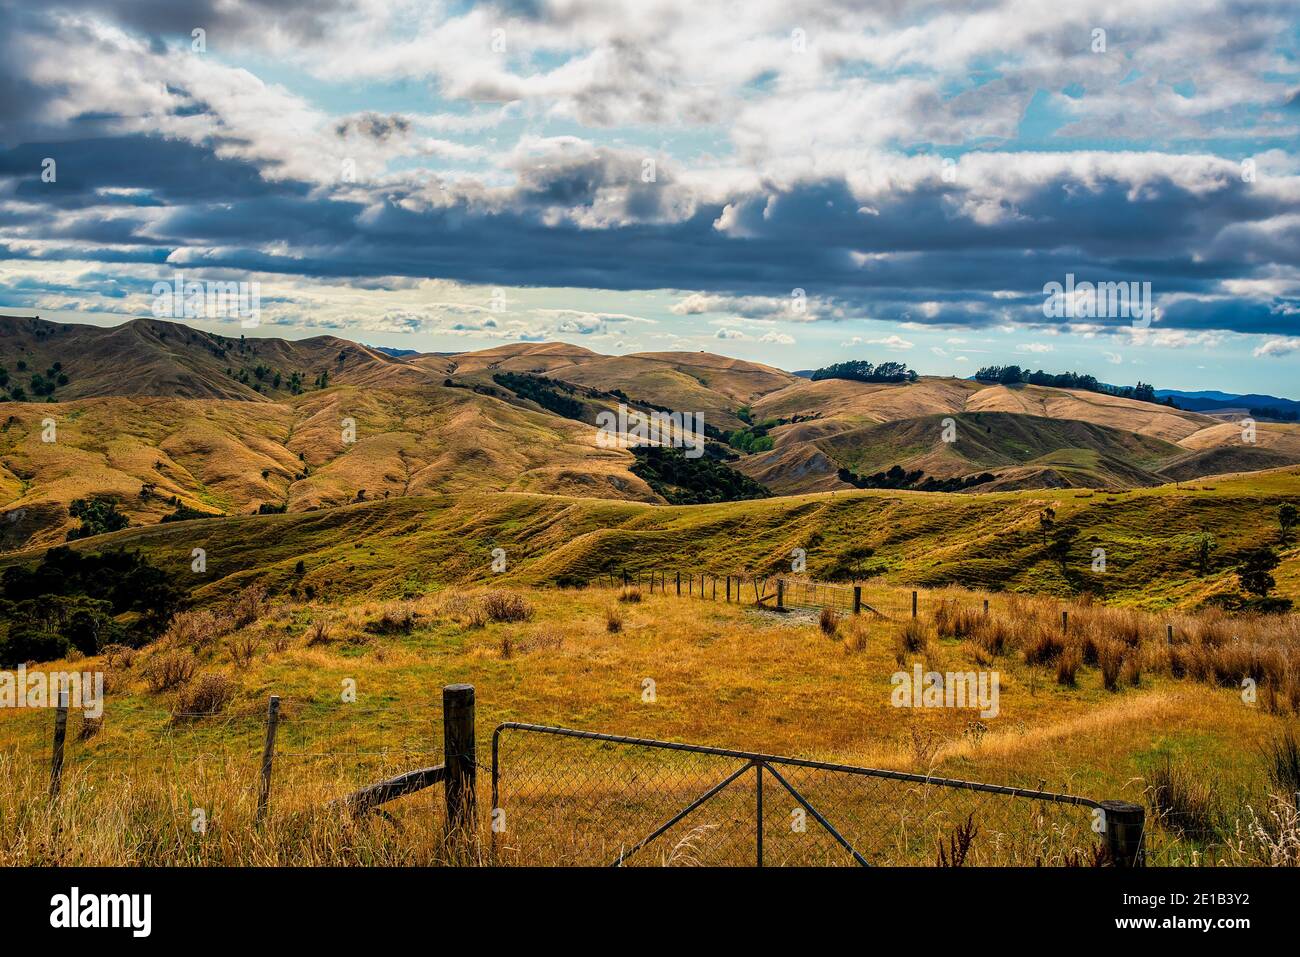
(561, 796)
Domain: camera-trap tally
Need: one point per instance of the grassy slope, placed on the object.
(402, 546)
(173, 359)
(212, 454)
(725, 675)
(994, 440)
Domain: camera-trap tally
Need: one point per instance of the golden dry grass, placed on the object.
(727, 675)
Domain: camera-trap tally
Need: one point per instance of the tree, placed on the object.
(1255, 570)
(1287, 516)
(1046, 518)
(98, 515)
(1062, 539)
(1206, 545)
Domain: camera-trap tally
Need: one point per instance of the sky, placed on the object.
(792, 183)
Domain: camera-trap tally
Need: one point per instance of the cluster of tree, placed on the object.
(861, 370)
(685, 481)
(1272, 412)
(552, 395)
(184, 513)
(1015, 375)
(40, 383)
(98, 515)
(70, 600)
(752, 438)
(898, 477)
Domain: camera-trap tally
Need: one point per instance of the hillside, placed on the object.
(156, 416)
(225, 456)
(173, 359)
(402, 546)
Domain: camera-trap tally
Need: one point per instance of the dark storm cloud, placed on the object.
(916, 257)
(376, 126)
(244, 19)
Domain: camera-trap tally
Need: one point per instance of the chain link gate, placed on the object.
(567, 797)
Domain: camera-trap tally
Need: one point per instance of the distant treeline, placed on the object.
(900, 478)
(860, 370)
(1014, 375)
(1272, 412)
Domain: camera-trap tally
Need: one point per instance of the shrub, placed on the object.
(243, 649)
(953, 620)
(193, 629)
(1067, 666)
(30, 642)
(318, 632)
(167, 669)
(1110, 656)
(505, 606)
(855, 636)
(249, 606)
(90, 727)
(630, 594)
(1184, 801)
(209, 693)
(393, 620)
(828, 622)
(914, 637)
(1044, 644)
(613, 620)
(119, 656)
(1282, 761)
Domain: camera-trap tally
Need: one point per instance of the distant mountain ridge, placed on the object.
(1209, 400)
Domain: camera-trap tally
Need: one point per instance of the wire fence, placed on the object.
(789, 592)
(556, 797)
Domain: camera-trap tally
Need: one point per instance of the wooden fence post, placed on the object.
(857, 599)
(268, 755)
(458, 757)
(1065, 621)
(986, 606)
(913, 604)
(780, 593)
(1124, 826)
(1169, 634)
(715, 587)
(679, 584)
(60, 732)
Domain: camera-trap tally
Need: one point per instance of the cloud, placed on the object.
(1278, 347)
(895, 342)
(603, 148)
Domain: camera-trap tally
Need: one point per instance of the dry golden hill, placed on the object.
(153, 357)
(316, 450)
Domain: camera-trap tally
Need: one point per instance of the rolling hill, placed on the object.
(162, 420)
(404, 546)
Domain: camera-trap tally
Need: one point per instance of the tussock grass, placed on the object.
(726, 675)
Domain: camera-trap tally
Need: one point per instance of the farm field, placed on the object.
(728, 675)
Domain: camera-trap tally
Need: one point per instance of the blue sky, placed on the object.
(790, 183)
